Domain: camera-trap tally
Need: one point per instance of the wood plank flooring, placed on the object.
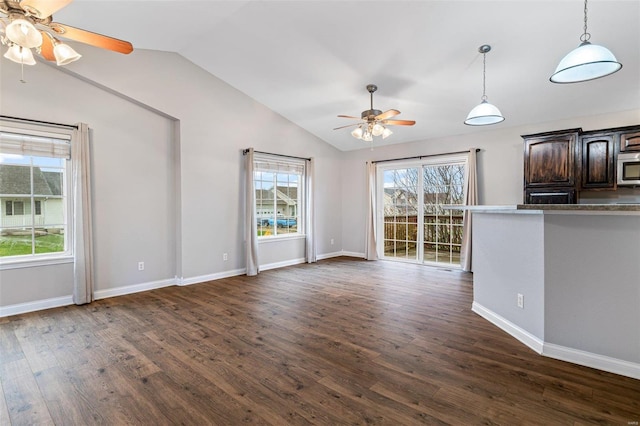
(343, 341)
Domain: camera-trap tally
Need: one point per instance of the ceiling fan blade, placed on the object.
(43, 8)
(91, 38)
(387, 114)
(350, 116)
(348, 125)
(400, 122)
(46, 49)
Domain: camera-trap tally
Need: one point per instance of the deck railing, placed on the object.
(439, 230)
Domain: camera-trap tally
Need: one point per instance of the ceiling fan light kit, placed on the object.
(484, 113)
(22, 32)
(65, 54)
(374, 122)
(586, 62)
(28, 25)
(20, 55)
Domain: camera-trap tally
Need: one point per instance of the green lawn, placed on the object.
(15, 245)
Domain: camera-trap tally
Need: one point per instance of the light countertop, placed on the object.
(629, 209)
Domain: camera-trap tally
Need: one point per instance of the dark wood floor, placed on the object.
(343, 341)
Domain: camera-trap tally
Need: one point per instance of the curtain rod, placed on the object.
(28, 120)
(423, 156)
(244, 152)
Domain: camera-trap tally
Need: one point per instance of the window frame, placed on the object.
(44, 259)
(301, 196)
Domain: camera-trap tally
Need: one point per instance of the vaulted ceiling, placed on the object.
(311, 60)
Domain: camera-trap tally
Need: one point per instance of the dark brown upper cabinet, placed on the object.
(630, 141)
(550, 167)
(598, 160)
(549, 159)
(559, 164)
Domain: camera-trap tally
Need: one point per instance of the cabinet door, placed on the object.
(551, 196)
(598, 166)
(630, 141)
(550, 161)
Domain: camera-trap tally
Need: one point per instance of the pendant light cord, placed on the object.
(585, 36)
(484, 76)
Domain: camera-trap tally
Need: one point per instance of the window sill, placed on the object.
(273, 239)
(35, 262)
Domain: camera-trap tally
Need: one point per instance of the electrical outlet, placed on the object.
(332, 241)
(140, 266)
(520, 301)
(225, 256)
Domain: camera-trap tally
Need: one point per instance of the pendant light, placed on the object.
(485, 113)
(586, 62)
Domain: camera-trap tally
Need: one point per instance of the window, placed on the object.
(414, 225)
(33, 191)
(279, 186)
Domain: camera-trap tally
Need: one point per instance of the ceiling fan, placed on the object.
(28, 24)
(374, 122)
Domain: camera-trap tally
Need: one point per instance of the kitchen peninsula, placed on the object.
(563, 279)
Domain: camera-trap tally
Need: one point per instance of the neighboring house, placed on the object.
(286, 202)
(16, 209)
(399, 202)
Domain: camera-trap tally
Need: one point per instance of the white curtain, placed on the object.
(471, 199)
(251, 225)
(370, 248)
(82, 218)
(310, 223)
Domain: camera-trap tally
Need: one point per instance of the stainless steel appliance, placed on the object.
(629, 168)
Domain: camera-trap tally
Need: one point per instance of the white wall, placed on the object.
(167, 167)
(500, 164)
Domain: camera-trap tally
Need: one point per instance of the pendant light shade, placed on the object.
(586, 62)
(484, 113)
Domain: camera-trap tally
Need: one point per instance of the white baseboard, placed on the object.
(589, 359)
(37, 305)
(352, 254)
(329, 255)
(524, 336)
(282, 264)
(563, 353)
(136, 288)
(211, 277)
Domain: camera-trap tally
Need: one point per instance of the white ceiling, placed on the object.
(311, 60)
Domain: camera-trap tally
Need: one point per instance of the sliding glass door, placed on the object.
(401, 208)
(412, 222)
(443, 184)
